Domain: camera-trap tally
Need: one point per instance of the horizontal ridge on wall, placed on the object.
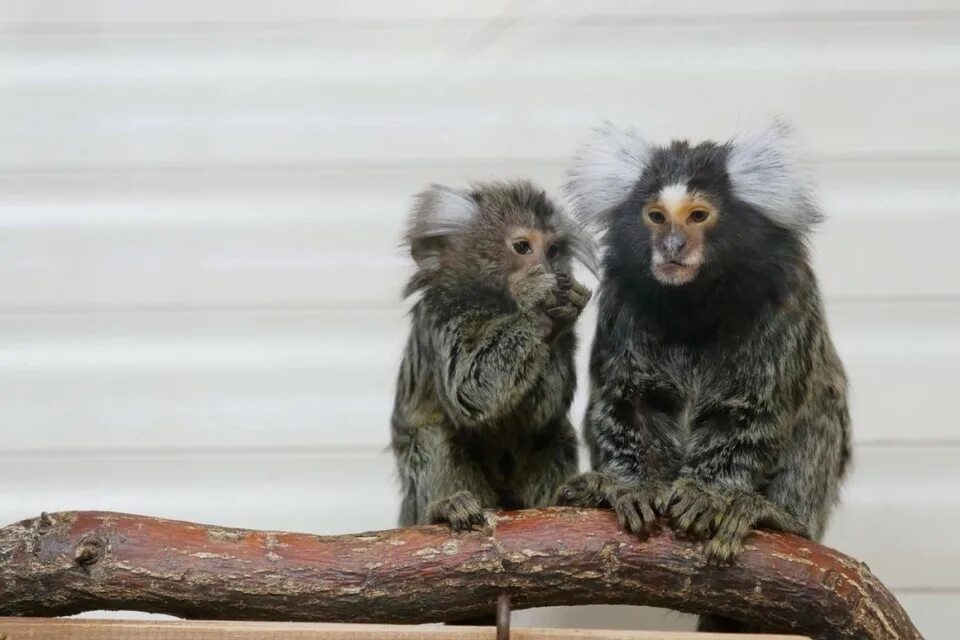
(225, 14)
(269, 379)
(329, 239)
(387, 93)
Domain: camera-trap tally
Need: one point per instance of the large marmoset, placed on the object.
(717, 398)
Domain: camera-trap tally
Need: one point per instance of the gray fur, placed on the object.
(480, 418)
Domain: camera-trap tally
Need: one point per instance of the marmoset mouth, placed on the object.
(675, 272)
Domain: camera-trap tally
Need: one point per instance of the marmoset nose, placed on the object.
(674, 243)
(539, 260)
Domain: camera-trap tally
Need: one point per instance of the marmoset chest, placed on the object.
(685, 390)
(501, 454)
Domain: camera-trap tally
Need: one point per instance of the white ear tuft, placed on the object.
(766, 171)
(442, 211)
(438, 213)
(605, 171)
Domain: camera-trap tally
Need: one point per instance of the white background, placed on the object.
(200, 204)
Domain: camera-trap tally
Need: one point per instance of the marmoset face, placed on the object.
(679, 221)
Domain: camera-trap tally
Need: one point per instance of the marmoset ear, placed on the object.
(766, 171)
(604, 172)
(438, 214)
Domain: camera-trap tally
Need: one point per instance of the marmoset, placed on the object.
(717, 398)
(480, 418)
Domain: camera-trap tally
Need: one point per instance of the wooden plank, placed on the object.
(73, 629)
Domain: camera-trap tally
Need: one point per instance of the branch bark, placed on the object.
(66, 563)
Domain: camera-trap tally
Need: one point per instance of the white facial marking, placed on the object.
(677, 274)
(673, 195)
(694, 258)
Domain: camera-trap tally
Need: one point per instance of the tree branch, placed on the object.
(70, 562)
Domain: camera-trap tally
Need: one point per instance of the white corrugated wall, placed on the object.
(200, 203)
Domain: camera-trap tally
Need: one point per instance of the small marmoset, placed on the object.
(487, 377)
(717, 398)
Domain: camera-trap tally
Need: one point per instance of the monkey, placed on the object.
(487, 376)
(718, 402)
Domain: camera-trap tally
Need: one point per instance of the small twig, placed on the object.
(503, 617)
